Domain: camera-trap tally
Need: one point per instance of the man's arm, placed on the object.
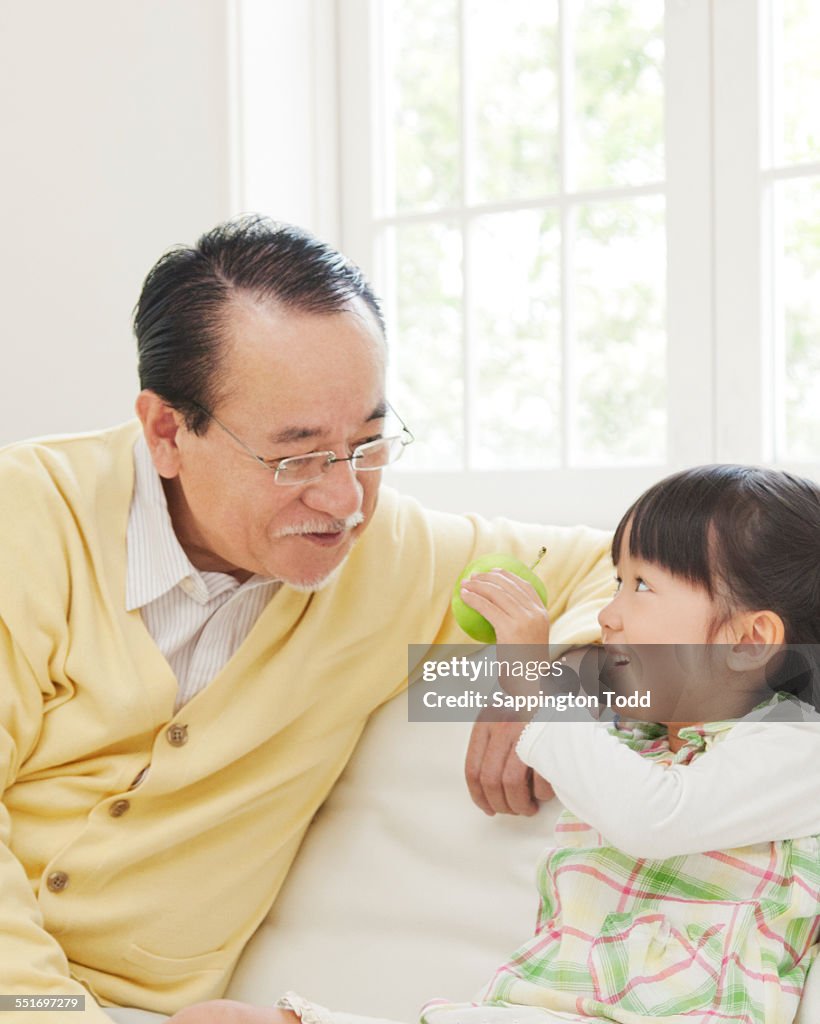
(580, 580)
(433, 548)
(498, 780)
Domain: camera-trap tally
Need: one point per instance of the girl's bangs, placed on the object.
(671, 525)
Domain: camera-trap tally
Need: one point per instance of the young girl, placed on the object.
(654, 907)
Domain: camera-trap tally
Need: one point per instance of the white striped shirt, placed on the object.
(197, 619)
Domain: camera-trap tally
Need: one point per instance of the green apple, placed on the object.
(468, 618)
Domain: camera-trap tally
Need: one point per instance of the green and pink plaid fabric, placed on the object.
(720, 936)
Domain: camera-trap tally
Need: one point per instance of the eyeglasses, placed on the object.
(302, 469)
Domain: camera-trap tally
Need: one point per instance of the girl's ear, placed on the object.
(759, 636)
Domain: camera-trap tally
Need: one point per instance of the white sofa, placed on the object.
(402, 890)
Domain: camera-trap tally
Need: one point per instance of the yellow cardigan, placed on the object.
(145, 896)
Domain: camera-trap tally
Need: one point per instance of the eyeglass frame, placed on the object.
(406, 437)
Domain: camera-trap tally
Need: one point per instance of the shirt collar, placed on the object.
(156, 561)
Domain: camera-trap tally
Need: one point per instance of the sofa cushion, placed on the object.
(403, 889)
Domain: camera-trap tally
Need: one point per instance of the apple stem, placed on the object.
(541, 553)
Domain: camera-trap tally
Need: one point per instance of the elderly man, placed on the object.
(198, 613)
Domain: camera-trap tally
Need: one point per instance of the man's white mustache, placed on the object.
(322, 526)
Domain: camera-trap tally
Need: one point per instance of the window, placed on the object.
(595, 226)
(519, 229)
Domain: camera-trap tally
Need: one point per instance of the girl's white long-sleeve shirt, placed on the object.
(760, 784)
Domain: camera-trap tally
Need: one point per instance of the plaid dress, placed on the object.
(718, 936)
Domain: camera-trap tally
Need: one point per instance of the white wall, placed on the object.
(115, 143)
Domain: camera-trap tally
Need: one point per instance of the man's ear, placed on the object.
(759, 636)
(161, 425)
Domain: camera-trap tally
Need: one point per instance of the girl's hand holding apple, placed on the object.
(508, 595)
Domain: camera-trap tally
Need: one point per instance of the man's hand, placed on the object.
(498, 780)
(229, 1011)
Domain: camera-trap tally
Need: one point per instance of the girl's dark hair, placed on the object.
(185, 302)
(749, 536)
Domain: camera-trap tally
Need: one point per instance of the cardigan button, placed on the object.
(57, 881)
(118, 808)
(177, 735)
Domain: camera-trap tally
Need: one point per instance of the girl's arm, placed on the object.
(759, 784)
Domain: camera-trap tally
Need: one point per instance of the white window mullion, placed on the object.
(468, 350)
(465, 167)
(772, 314)
(359, 139)
(566, 180)
(568, 411)
(743, 382)
(689, 209)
